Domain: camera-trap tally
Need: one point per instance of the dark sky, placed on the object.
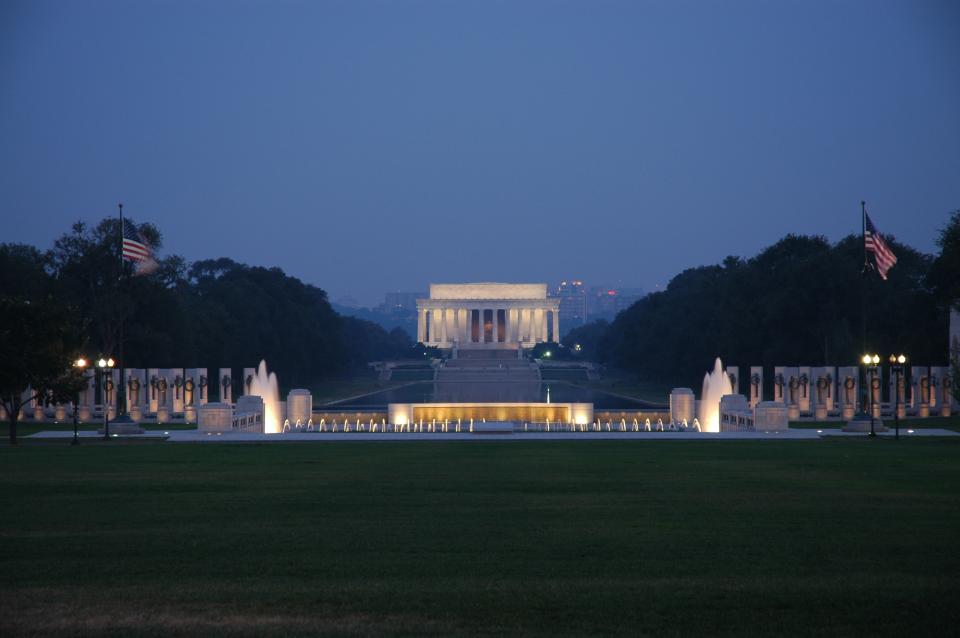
(367, 146)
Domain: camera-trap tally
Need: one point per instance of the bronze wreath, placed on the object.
(849, 383)
(794, 383)
(755, 379)
(875, 383)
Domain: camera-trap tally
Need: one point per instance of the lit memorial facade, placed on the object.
(487, 316)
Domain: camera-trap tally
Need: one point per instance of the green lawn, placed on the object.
(935, 422)
(837, 537)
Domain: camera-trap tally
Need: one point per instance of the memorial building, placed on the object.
(487, 316)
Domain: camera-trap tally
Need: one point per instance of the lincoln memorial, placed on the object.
(487, 316)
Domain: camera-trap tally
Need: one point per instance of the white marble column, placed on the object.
(538, 323)
(496, 325)
(556, 326)
(422, 326)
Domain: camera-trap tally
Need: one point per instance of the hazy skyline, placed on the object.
(370, 147)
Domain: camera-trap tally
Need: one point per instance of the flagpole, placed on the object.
(863, 285)
(122, 392)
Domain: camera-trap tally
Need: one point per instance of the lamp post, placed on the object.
(80, 364)
(896, 366)
(105, 366)
(870, 361)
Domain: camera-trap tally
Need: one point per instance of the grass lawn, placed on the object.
(836, 537)
(934, 422)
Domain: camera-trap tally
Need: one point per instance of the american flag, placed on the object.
(137, 249)
(874, 243)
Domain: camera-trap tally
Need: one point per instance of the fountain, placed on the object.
(715, 385)
(265, 386)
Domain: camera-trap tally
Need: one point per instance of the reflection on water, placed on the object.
(491, 392)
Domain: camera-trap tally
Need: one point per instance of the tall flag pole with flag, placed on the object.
(136, 248)
(873, 242)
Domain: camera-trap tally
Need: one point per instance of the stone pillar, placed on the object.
(421, 325)
(151, 393)
(733, 373)
(455, 313)
(806, 381)
(225, 385)
(111, 402)
(848, 391)
(177, 387)
(780, 379)
(919, 381)
(436, 327)
(538, 323)
(556, 326)
(203, 386)
(137, 388)
(876, 382)
(756, 385)
(248, 374)
(946, 393)
(496, 325)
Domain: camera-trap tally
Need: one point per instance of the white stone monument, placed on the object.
(249, 414)
(215, 417)
(770, 416)
(682, 405)
(299, 407)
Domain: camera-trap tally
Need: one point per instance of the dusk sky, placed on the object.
(375, 146)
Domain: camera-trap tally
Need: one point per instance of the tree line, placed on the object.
(80, 297)
(801, 301)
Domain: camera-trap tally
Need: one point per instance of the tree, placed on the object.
(944, 277)
(798, 301)
(37, 347)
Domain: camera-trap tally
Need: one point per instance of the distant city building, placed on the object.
(605, 302)
(573, 303)
(400, 303)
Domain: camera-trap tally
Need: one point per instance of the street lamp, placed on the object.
(80, 364)
(105, 366)
(871, 361)
(896, 366)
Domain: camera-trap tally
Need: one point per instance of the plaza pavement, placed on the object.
(193, 436)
